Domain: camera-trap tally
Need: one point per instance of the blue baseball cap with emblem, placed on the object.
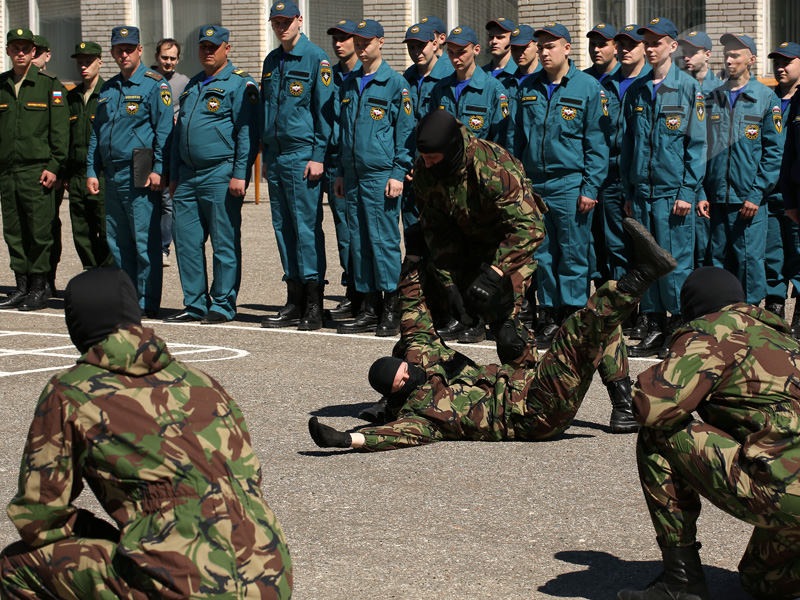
(740, 38)
(125, 35)
(786, 49)
(556, 30)
(422, 32)
(661, 26)
(698, 39)
(502, 23)
(523, 35)
(435, 22)
(631, 31)
(345, 26)
(368, 29)
(215, 34)
(284, 8)
(604, 30)
(462, 36)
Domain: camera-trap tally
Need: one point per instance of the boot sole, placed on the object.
(661, 260)
(309, 326)
(270, 325)
(623, 427)
(380, 333)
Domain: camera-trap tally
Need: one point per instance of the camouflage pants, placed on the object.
(542, 409)
(677, 468)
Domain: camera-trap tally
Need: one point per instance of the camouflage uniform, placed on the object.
(487, 213)
(465, 401)
(167, 453)
(738, 369)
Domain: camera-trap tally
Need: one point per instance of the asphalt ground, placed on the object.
(454, 520)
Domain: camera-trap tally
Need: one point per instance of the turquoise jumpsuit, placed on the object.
(215, 139)
(702, 226)
(507, 76)
(133, 114)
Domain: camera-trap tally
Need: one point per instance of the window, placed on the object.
(686, 14)
(785, 20)
(609, 11)
(472, 13)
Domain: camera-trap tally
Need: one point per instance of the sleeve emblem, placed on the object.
(504, 105)
(777, 118)
(166, 97)
(325, 72)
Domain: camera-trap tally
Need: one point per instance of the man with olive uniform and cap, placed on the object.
(209, 177)
(87, 212)
(34, 129)
(129, 146)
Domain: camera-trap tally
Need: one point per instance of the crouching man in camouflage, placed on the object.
(167, 453)
(443, 395)
(736, 365)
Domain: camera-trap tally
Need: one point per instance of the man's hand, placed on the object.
(748, 210)
(792, 214)
(627, 208)
(173, 185)
(394, 188)
(338, 187)
(47, 179)
(93, 185)
(681, 208)
(154, 182)
(236, 187)
(585, 204)
(263, 170)
(484, 288)
(314, 170)
(703, 207)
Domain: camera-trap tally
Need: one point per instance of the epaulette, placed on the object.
(47, 73)
(153, 75)
(241, 73)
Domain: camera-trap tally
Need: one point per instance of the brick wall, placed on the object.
(249, 25)
(98, 18)
(738, 16)
(573, 15)
(396, 19)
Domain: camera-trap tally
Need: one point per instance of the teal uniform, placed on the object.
(564, 151)
(482, 105)
(745, 143)
(216, 138)
(507, 76)
(664, 150)
(295, 88)
(375, 144)
(133, 114)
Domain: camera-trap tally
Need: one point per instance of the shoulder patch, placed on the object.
(241, 73)
(153, 75)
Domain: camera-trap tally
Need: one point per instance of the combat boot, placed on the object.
(776, 306)
(673, 324)
(622, 419)
(650, 261)
(38, 295)
(367, 319)
(652, 342)
(378, 413)
(18, 295)
(390, 316)
(348, 308)
(795, 328)
(629, 323)
(473, 334)
(639, 329)
(546, 327)
(292, 311)
(681, 579)
(527, 312)
(451, 330)
(312, 316)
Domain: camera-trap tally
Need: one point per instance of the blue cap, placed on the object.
(523, 35)
(661, 26)
(368, 29)
(422, 32)
(631, 31)
(284, 8)
(744, 40)
(555, 29)
(435, 22)
(462, 36)
(698, 39)
(603, 29)
(345, 26)
(215, 34)
(125, 35)
(502, 23)
(787, 49)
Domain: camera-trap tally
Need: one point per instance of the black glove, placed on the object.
(455, 303)
(415, 241)
(484, 288)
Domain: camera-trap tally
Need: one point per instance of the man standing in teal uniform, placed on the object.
(602, 51)
(209, 178)
(428, 69)
(565, 105)
(783, 234)
(296, 85)
(129, 144)
(376, 125)
(525, 53)
(439, 28)
(664, 151)
(502, 66)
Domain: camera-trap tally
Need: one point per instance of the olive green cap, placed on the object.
(87, 48)
(20, 34)
(41, 42)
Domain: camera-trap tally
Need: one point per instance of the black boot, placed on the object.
(325, 436)
(378, 413)
(795, 328)
(546, 327)
(652, 342)
(651, 261)
(474, 334)
(640, 327)
(390, 316)
(367, 319)
(38, 295)
(17, 297)
(527, 312)
(776, 305)
(292, 311)
(51, 285)
(349, 307)
(312, 316)
(451, 330)
(629, 323)
(674, 322)
(622, 420)
(681, 579)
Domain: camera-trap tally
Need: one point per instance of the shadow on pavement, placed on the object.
(341, 410)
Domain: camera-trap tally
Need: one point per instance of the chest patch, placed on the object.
(213, 104)
(476, 122)
(376, 113)
(132, 108)
(751, 132)
(673, 122)
(568, 113)
(295, 88)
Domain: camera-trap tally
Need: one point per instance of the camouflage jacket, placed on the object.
(740, 370)
(489, 204)
(167, 453)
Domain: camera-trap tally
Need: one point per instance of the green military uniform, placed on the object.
(34, 134)
(87, 212)
(167, 453)
(737, 367)
(464, 401)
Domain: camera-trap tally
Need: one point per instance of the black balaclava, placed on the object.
(96, 302)
(708, 289)
(440, 132)
(382, 374)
